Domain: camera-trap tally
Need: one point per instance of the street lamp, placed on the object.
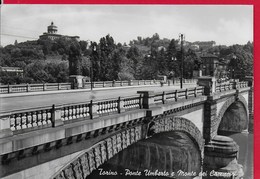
(182, 38)
(234, 62)
(172, 72)
(94, 49)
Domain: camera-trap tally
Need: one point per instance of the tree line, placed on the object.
(144, 58)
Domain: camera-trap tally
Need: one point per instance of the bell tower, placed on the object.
(52, 29)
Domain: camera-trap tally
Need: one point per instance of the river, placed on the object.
(246, 158)
(246, 151)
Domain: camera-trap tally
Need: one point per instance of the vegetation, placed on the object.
(145, 58)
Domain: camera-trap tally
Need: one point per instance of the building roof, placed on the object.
(11, 69)
(208, 56)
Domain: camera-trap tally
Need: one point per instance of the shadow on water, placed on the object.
(182, 155)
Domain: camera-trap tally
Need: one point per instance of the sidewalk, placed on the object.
(69, 91)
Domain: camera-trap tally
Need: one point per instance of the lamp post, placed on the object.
(94, 48)
(234, 62)
(173, 73)
(182, 38)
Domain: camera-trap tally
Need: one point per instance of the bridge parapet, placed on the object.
(26, 120)
(34, 87)
(150, 98)
(31, 120)
(231, 85)
(21, 88)
(26, 133)
(44, 117)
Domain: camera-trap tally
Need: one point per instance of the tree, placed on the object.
(173, 58)
(75, 59)
(240, 60)
(106, 47)
(135, 58)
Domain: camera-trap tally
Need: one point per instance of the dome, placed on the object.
(52, 28)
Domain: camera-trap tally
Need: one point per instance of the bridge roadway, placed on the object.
(20, 101)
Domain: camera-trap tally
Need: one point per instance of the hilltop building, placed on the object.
(12, 70)
(52, 34)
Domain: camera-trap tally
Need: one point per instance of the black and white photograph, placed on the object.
(126, 91)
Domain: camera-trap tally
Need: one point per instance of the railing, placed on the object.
(177, 80)
(230, 86)
(31, 118)
(47, 116)
(178, 94)
(61, 114)
(101, 84)
(87, 85)
(34, 87)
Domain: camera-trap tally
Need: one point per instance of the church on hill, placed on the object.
(52, 34)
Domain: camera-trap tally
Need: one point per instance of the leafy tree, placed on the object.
(75, 58)
(135, 58)
(106, 46)
(172, 59)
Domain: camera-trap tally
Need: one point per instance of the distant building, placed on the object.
(52, 34)
(12, 70)
(195, 47)
(212, 65)
(161, 47)
(209, 64)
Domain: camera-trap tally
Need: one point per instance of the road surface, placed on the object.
(16, 102)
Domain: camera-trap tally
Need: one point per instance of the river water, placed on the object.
(244, 140)
(246, 152)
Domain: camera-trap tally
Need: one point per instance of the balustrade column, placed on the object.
(120, 105)
(44, 87)
(59, 86)
(9, 89)
(93, 109)
(130, 83)
(195, 92)
(164, 98)
(5, 127)
(56, 116)
(113, 83)
(148, 98)
(187, 93)
(28, 87)
(209, 84)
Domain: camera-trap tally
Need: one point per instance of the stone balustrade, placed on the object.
(177, 94)
(100, 84)
(30, 118)
(56, 115)
(87, 85)
(34, 119)
(34, 87)
(231, 85)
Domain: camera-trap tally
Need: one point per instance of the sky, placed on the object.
(224, 24)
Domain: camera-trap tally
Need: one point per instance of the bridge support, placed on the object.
(5, 129)
(220, 152)
(220, 159)
(250, 80)
(209, 83)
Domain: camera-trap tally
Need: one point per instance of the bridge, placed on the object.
(172, 133)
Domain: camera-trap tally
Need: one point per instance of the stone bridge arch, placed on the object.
(90, 159)
(241, 101)
(175, 123)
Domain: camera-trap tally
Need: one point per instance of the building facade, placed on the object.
(52, 34)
